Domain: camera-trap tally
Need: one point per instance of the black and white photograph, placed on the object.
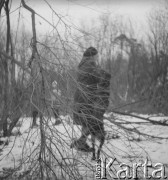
(83, 89)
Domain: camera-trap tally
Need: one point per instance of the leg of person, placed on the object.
(56, 113)
(82, 117)
(101, 137)
(80, 143)
(84, 134)
(34, 114)
(93, 146)
(100, 146)
(86, 118)
(55, 109)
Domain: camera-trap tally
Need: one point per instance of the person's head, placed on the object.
(91, 54)
(91, 51)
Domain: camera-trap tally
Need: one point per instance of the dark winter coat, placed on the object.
(88, 78)
(103, 94)
(95, 121)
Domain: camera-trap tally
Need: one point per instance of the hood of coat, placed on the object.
(92, 60)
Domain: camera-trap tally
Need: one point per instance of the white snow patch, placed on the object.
(125, 147)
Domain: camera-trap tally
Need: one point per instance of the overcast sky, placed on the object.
(77, 11)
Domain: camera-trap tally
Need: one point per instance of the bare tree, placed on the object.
(158, 39)
(26, 83)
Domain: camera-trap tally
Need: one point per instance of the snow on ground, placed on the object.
(126, 146)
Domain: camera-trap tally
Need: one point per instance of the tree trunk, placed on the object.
(6, 72)
(5, 107)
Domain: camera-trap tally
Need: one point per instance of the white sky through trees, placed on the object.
(78, 12)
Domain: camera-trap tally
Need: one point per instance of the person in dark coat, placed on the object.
(95, 124)
(88, 78)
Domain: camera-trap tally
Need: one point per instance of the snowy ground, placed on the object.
(22, 148)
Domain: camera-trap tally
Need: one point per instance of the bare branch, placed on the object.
(139, 117)
(33, 27)
(14, 60)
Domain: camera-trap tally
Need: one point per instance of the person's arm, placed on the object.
(90, 74)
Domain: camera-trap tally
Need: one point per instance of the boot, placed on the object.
(81, 146)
